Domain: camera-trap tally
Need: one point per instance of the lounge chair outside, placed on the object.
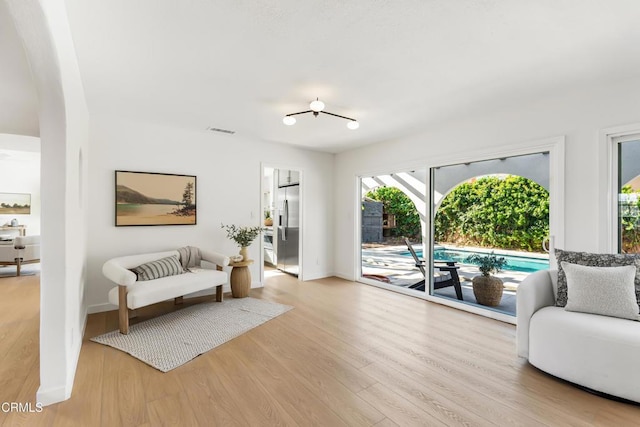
(448, 274)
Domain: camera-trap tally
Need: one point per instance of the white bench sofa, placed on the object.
(131, 294)
(594, 351)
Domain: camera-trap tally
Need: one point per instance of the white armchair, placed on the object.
(23, 250)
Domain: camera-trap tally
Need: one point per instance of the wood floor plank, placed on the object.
(446, 408)
(324, 381)
(386, 423)
(347, 354)
(207, 395)
(398, 409)
(299, 402)
(27, 395)
(297, 347)
(339, 348)
(458, 382)
(172, 410)
(123, 390)
(264, 408)
(85, 407)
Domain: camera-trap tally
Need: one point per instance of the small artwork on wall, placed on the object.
(15, 203)
(146, 198)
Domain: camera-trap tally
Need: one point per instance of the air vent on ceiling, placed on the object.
(227, 131)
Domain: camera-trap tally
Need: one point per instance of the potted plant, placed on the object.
(243, 236)
(487, 288)
(268, 221)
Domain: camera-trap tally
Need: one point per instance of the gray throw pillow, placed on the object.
(169, 266)
(608, 291)
(593, 260)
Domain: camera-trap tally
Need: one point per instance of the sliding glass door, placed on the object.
(393, 222)
(491, 211)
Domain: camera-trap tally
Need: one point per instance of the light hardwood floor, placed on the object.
(348, 354)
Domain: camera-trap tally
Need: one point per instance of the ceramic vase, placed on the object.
(244, 253)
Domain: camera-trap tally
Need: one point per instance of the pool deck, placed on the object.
(387, 263)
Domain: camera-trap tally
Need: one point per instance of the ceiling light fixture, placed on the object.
(317, 107)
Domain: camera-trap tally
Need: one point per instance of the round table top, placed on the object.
(241, 263)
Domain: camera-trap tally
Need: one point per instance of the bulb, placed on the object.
(353, 125)
(316, 105)
(289, 120)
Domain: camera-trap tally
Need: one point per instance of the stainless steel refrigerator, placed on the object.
(288, 229)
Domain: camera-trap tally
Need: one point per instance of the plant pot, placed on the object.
(268, 222)
(488, 290)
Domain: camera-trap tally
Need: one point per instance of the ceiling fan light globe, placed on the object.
(289, 121)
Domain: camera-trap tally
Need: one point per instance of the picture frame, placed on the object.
(15, 203)
(152, 198)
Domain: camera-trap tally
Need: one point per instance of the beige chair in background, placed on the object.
(23, 250)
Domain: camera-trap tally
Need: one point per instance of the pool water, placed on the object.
(514, 263)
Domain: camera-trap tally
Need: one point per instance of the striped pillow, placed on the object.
(169, 266)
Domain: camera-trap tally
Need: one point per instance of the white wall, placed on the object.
(579, 115)
(20, 173)
(228, 170)
(44, 31)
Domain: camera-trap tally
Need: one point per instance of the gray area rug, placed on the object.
(25, 270)
(173, 339)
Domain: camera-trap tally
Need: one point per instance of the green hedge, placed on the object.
(509, 213)
(630, 222)
(397, 203)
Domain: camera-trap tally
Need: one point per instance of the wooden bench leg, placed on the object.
(219, 293)
(123, 319)
(178, 300)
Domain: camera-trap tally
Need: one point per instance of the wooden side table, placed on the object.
(240, 278)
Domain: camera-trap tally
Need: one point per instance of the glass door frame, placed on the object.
(555, 146)
(358, 234)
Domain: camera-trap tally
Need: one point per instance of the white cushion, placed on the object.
(598, 352)
(608, 291)
(141, 294)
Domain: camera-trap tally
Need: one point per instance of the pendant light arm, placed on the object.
(338, 115)
(301, 112)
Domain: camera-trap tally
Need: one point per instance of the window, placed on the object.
(628, 192)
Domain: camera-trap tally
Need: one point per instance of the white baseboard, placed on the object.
(317, 275)
(52, 395)
(99, 308)
(345, 276)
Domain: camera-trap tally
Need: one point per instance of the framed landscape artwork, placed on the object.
(146, 198)
(15, 203)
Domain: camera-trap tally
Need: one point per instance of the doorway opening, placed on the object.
(282, 214)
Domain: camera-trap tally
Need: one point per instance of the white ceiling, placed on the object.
(398, 66)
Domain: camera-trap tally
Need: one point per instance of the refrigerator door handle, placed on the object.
(286, 220)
